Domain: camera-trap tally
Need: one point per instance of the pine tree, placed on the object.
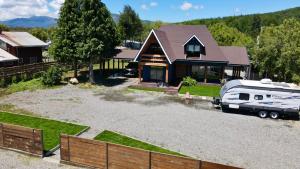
(130, 24)
(66, 37)
(93, 23)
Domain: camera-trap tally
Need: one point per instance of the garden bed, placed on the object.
(112, 137)
(51, 128)
(201, 90)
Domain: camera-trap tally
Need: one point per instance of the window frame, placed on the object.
(248, 96)
(258, 97)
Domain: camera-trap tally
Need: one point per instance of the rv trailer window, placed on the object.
(244, 96)
(258, 97)
(268, 96)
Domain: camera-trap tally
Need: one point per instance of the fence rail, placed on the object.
(7, 72)
(21, 139)
(96, 154)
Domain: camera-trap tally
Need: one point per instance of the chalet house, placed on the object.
(173, 52)
(19, 48)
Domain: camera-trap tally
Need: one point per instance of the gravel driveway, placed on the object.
(196, 130)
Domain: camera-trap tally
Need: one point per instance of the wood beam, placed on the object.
(154, 64)
(167, 74)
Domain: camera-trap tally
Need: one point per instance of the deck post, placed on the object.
(118, 64)
(140, 73)
(108, 65)
(167, 73)
(113, 65)
(205, 74)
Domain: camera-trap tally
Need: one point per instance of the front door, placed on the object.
(157, 74)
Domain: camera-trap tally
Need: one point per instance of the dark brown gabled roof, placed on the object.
(236, 55)
(173, 38)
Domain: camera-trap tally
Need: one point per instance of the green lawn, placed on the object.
(52, 129)
(151, 89)
(202, 90)
(112, 137)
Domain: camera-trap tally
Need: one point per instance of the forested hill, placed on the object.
(250, 24)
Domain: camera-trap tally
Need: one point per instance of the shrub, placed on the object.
(52, 76)
(2, 82)
(24, 77)
(14, 79)
(188, 81)
(37, 75)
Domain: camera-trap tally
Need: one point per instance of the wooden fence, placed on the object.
(21, 139)
(96, 154)
(30, 69)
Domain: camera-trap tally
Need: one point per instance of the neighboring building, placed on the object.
(24, 46)
(173, 52)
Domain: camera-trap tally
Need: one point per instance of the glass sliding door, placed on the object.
(157, 74)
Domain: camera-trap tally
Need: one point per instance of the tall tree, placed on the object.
(110, 36)
(228, 36)
(66, 36)
(95, 25)
(130, 24)
(278, 53)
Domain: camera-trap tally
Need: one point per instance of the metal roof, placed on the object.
(236, 55)
(21, 39)
(6, 57)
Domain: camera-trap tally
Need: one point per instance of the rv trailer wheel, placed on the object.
(274, 115)
(262, 114)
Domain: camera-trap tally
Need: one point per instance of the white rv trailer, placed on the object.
(266, 98)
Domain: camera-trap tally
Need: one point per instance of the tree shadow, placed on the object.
(101, 79)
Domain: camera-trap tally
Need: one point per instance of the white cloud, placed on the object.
(153, 4)
(150, 5)
(144, 7)
(187, 6)
(10, 9)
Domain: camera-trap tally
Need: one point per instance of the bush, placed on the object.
(2, 82)
(188, 81)
(14, 79)
(37, 75)
(52, 76)
(24, 77)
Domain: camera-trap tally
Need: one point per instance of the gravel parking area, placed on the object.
(195, 129)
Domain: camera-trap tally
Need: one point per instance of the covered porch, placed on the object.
(203, 72)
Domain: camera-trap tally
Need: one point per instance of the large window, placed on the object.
(244, 96)
(157, 73)
(193, 48)
(154, 48)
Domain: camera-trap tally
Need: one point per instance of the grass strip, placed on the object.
(52, 129)
(112, 137)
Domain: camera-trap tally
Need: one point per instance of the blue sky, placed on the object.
(165, 10)
(179, 10)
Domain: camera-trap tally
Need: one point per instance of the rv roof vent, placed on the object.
(266, 81)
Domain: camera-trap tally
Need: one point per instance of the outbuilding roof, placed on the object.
(236, 55)
(21, 39)
(126, 54)
(6, 57)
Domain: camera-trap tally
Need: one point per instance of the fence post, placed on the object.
(106, 155)
(1, 135)
(150, 159)
(200, 164)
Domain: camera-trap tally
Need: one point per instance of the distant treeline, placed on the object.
(251, 24)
